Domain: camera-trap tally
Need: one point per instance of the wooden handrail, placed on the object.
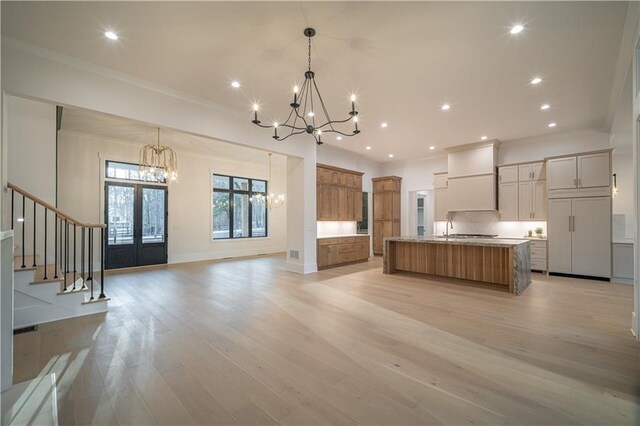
(48, 206)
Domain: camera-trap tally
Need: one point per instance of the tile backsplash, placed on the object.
(488, 223)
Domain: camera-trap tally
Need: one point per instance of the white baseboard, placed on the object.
(619, 280)
(302, 268)
(196, 257)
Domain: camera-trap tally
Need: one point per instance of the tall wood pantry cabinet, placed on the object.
(339, 194)
(386, 210)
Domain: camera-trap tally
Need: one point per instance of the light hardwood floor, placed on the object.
(246, 342)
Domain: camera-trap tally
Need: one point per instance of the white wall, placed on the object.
(81, 192)
(536, 148)
(621, 139)
(31, 134)
(37, 73)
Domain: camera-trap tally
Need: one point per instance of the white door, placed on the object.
(539, 200)
(508, 201)
(524, 172)
(525, 200)
(593, 170)
(507, 174)
(440, 204)
(562, 173)
(559, 235)
(591, 239)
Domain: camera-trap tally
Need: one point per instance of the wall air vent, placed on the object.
(294, 254)
(25, 330)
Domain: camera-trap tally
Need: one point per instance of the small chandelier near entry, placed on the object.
(158, 162)
(305, 115)
(271, 200)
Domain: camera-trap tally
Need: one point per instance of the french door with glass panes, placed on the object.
(136, 218)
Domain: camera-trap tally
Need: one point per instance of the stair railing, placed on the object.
(66, 252)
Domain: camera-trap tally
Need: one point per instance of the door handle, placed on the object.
(569, 223)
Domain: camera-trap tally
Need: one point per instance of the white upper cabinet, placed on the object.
(561, 173)
(439, 180)
(593, 170)
(532, 171)
(440, 204)
(581, 171)
(508, 201)
(507, 174)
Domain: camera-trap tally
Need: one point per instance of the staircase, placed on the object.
(54, 278)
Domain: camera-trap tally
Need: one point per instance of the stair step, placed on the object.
(70, 290)
(28, 263)
(96, 300)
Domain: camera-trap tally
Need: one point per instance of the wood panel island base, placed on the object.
(500, 262)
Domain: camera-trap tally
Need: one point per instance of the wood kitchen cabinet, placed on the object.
(386, 210)
(338, 251)
(338, 194)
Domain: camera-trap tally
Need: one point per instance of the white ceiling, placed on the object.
(403, 60)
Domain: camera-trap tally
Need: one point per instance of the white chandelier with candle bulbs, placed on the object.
(308, 113)
(271, 200)
(158, 162)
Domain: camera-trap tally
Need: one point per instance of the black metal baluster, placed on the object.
(102, 296)
(75, 270)
(55, 248)
(34, 234)
(91, 260)
(61, 222)
(23, 220)
(82, 275)
(45, 243)
(12, 203)
(65, 268)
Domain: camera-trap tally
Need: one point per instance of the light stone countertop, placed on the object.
(489, 242)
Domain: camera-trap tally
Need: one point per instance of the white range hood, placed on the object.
(472, 180)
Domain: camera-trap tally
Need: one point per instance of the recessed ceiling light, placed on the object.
(235, 84)
(545, 106)
(432, 147)
(390, 155)
(339, 138)
(383, 125)
(368, 148)
(483, 138)
(310, 114)
(536, 80)
(445, 107)
(552, 124)
(517, 29)
(111, 35)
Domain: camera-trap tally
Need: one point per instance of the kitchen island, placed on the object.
(501, 262)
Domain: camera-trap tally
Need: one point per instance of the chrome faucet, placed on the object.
(449, 221)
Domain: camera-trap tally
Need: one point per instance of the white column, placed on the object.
(301, 211)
